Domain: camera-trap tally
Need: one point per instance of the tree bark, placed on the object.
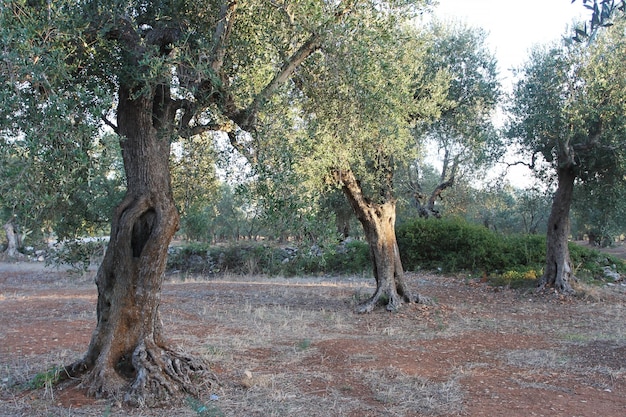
(378, 221)
(128, 356)
(12, 240)
(558, 271)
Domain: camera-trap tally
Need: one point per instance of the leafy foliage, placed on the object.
(194, 183)
(449, 245)
(602, 14)
(568, 107)
(455, 245)
(461, 131)
(58, 171)
(78, 254)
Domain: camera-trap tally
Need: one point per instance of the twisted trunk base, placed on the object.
(559, 272)
(153, 376)
(128, 358)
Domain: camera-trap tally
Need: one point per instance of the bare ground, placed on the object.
(294, 347)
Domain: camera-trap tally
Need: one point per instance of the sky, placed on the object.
(514, 26)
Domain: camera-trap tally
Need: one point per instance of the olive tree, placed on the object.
(462, 131)
(568, 108)
(358, 100)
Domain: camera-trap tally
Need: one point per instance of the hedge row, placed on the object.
(443, 245)
(255, 258)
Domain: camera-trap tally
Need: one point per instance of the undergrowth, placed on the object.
(513, 260)
(447, 246)
(250, 258)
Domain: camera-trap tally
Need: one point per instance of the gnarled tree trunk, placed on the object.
(378, 221)
(558, 271)
(128, 356)
(12, 239)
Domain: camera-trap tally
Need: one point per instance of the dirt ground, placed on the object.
(294, 347)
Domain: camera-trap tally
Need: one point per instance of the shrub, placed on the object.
(450, 245)
(351, 257)
(589, 263)
(455, 245)
(78, 253)
(236, 259)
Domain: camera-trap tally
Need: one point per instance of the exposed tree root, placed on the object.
(392, 300)
(565, 289)
(163, 375)
(154, 376)
(560, 283)
(422, 299)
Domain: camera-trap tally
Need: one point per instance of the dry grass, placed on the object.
(294, 347)
(405, 394)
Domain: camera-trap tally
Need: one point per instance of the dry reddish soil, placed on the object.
(294, 347)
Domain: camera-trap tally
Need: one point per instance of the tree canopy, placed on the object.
(462, 130)
(58, 170)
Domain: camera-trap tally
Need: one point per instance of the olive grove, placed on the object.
(153, 72)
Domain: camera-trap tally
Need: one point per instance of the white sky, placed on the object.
(514, 26)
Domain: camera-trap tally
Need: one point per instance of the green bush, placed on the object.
(589, 263)
(196, 224)
(78, 254)
(455, 245)
(350, 258)
(236, 259)
(450, 245)
(445, 245)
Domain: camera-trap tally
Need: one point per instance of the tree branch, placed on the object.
(352, 189)
(222, 33)
(246, 118)
(110, 124)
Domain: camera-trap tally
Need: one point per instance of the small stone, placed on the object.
(247, 381)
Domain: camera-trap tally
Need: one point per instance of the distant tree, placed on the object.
(220, 220)
(533, 205)
(463, 131)
(345, 221)
(599, 211)
(569, 108)
(494, 208)
(194, 183)
(291, 206)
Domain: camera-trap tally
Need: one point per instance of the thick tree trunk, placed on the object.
(378, 221)
(128, 357)
(558, 271)
(12, 240)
